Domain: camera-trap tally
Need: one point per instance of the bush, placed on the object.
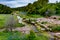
(56, 28)
(20, 36)
(58, 18)
(12, 36)
(32, 35)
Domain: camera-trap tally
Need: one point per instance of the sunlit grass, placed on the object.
(19, 36)
(3, 18)
(30, 16)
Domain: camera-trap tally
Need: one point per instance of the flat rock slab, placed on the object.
(23, 29)
(54, 21)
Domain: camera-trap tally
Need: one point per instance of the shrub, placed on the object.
(32, 35)
(58, 18)
(56, 28)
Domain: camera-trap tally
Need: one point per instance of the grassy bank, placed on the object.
(20, 36)
(30, 16)
(3, 18)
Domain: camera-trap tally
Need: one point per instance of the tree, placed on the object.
(48, 10)
(5, 9)
(43, 2)
(58, 8)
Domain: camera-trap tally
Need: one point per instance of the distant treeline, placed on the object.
(41, 7)
(5, 9)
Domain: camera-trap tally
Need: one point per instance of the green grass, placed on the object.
(30, 16)
(42, 38)
(3, 18)
(9, 35)
(19, 25)
(4, 36)
(56, 28)
(18, 36)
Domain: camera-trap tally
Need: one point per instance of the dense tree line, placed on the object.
(41, 7)
(58, 8)
(4, 9)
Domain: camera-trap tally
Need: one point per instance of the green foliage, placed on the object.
(32, 35)
(56, 28)
(12, 36)
(58, 8)
(3, 18)
(4, 9)
(43, 2)
(19, 36)
(58, 18)
(40, 8)
(42, 37)
(47, 10)
(19, 25)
